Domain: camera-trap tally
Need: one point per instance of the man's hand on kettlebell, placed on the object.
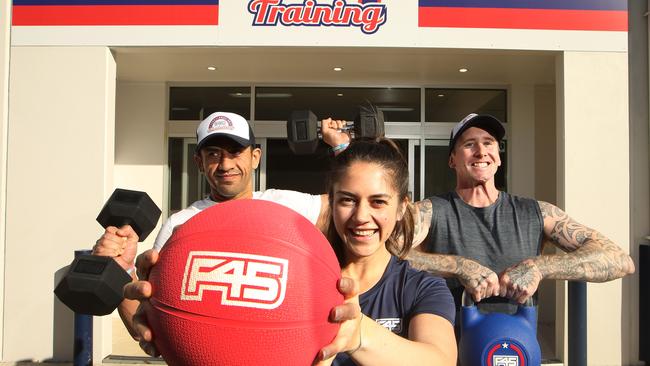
(479, 281)
(520, 281)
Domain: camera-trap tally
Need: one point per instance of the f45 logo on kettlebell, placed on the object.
(247, 280)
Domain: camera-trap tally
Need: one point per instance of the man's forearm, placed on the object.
(590, 255)
(597, 260)
(479, 281)
(444, 265)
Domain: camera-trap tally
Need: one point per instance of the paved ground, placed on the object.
(126, 352)
(131, 362)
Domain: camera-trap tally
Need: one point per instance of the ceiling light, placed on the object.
(463, 70)
(239, 95)
(440, 95)
(339, 94)
(211, 68)
(337, 68)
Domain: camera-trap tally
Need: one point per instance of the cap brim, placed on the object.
(212, 140)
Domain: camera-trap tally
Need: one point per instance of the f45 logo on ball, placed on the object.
(247, 280)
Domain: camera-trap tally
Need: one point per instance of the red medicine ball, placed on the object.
(245, 282)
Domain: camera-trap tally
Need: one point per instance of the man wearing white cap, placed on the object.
(489, 242)
(226, 155)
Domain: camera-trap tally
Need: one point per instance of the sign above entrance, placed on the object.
(555, 25)
(367, 15)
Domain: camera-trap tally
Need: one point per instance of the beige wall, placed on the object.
(543, 133)
(545, 145)
(639, 163)
(140, 161)
(61, 151)
(593, 180)
(521, 140)
(5, 17)
(140, 145)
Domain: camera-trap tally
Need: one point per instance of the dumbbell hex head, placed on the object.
(93, 285)
(369, 123)
(302, 132)
(134, 208)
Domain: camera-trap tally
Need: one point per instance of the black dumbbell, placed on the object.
(93, 284)
(303, 131)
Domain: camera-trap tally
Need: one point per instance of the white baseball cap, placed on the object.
(224, 124)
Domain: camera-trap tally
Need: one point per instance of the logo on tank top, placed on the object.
(392, 324)
(368, 15)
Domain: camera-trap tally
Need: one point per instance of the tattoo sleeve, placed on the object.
(448, 266)
(438, 264)
(423, 211)
(590, 256)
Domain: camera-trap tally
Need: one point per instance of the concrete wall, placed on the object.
(140, 164)
(545, 175)
(140, 142)
(5, 20)
(639, 164)
(59, 173)
(522, 140)
(594, 178)
(545, 146)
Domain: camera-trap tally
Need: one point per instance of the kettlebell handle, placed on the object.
(467, 300)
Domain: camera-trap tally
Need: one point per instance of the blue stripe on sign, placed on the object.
(530, 4)
(116, 2)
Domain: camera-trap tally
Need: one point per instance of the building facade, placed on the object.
(96, 95)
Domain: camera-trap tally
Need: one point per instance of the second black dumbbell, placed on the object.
(303, 130)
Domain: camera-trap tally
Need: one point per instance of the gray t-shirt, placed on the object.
(498, 236)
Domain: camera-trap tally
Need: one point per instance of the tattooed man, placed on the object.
(489, 242)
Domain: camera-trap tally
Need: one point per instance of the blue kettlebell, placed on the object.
(498, 339)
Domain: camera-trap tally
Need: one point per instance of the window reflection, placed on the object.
(196, 103)
(452, 105)
(277, 103)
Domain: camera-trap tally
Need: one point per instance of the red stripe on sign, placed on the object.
(595, 20)
(45, 15)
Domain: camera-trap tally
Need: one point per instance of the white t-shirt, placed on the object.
(305, 204)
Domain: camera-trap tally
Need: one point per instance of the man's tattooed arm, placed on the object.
(590, 256)
(479, 281)
(422, 213)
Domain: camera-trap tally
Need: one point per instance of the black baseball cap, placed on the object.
(485, 122)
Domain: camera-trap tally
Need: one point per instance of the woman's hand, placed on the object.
(349, 316)
(141, 290)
